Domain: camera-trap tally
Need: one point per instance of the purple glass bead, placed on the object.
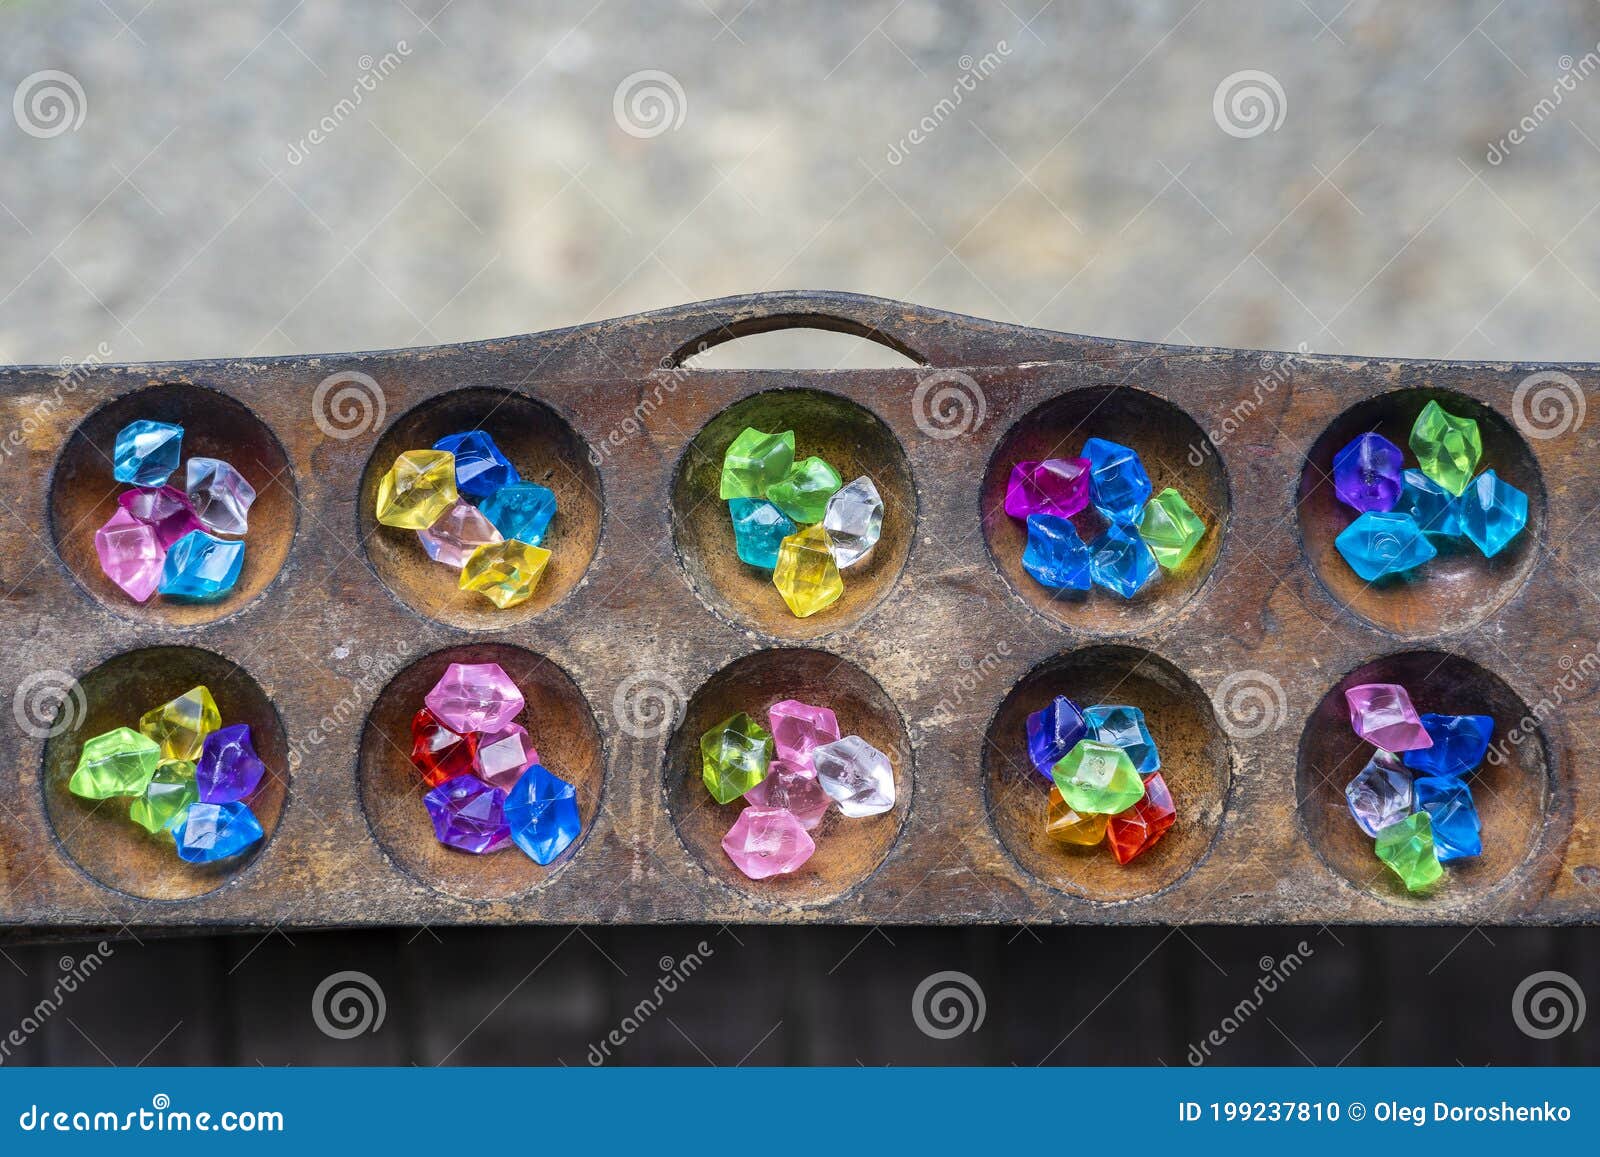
(228, 768)
(1053, 731)
(1368, 473)
(468, 814)
(1058, 486)
(166, 509)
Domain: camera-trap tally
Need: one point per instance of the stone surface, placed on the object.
(481, 469)
(216, 831)
(164, 508)
(220, 495)
(131, 555)
(1054, 486)
(468, 815)
(1077, 829)
(857, 775)
(1367, 473)
(146, 453)
(1097, 778)
(439, 752)
(1382, 714)
(1492, 513)
(1459, 744)
(854, 521)
(754, 461)
(759, 529)
(1407, 847)
(1118, 484)
(734, 756)
(799, 728)
(503, 757)
(456, 533)
(1054, 730)
(229, 768)
(506, 573)
(803, 494)
(1124, 727)
(765, 842)
(201, 566)
(116, 762)
(419, 487)
(1056, 557)
(475, 697)
(1457, 831)
(521, 511)
(1380, 794)
(1136, 831)
(1120, 561)
(1433, 508)
(542, 813)
(180, 726)
(1171, 529)
(796, 789)
(1378, 545)
(807, 576)
(1448, 447)
(167, 797)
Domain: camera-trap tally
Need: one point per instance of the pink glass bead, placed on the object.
(1058, 486)
(166, 508)
(131, 555)
(799, 728)
(504, 756)
(767, 841)
(1381, 713)
(474, 697)
(456, 534)
(795, 789)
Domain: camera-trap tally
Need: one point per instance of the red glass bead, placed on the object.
(438, 752)
(1136, 830)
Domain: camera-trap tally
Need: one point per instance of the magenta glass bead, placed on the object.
(794, 788)
(1382, 714)
(474, 697)
(1058, 486)
(504, 756)
(798, 729)
(165, 508)
(131, 555)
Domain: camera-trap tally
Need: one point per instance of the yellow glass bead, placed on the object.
(506, 573)
(420, 486)
(806, 575)
(1069, 827)
(181, 726)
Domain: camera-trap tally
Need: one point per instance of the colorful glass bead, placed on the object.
(1459, 744)
(228, 768)
(419, 487)
(165, 509)
(857, 775)
(1096, 777)
(506, 573)
(767, 841)
(503, 757)
(1120, 561)
(1492, 512)
(542, 812)
(798, 729)
(181, 725)
(1380, 794)
(1055, 556)
(1065, 826)
(522, 510)
(481, 468)
(804, 492)
(215, 831)
(146, 453)
(806, 575)
(1382, 714)
(117, 762)
(468, 815)
(202, 566)
(854, 521)
(1171, 529)
(439, 752)
(1407, 847)
(131, 555)
(1135, 831)
(734, 756)
(475, 697)
(755, 461)
(794, 788)
(456, 534)
(1124, 727)
(1054, 730)
(1379, 545)
(1118, 484)
(166, 797)
(759, 529)
(1457, 831)
(1431, 506)
(1055, 486)
(220, 495)
(1448, 448)
(1367, 473)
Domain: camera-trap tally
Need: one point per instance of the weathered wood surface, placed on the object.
(946, 637)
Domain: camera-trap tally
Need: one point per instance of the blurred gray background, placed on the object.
(185, 180)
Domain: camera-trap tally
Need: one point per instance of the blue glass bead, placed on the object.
(1124, 727)
(215, 831)
(1430, 505)
(146, 453)
(1055, 556)
(1121, 561)
(1457, 832)
(542, 810)
(1377, 545)
(480, 467)
(1054, 730)
(201, 566)
(522, 511)
(1118, 485)
(759, 529)
(1459, 744)
(1492, 512)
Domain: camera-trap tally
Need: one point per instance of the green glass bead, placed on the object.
(1171, 528)
(1408, 848)
(1097, 779)
(803, 493)
(118, 762)
(1448, 448)
(734, 756)
(755, 461)
(166, 797)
